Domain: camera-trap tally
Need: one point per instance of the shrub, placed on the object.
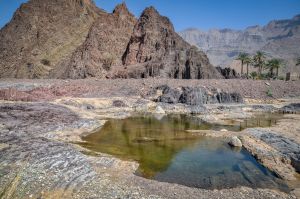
(269, 92)
(45, 62)
(108, 60)
(253, 75)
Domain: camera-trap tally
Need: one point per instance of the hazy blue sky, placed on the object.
(202, 14)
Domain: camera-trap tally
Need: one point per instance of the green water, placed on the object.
(166, 152)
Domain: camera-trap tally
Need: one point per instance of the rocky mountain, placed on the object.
(280, 39)
(42, 34)
(75, 39)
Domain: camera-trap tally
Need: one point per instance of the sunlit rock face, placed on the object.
(75, 39)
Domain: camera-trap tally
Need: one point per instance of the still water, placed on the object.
(166, 152)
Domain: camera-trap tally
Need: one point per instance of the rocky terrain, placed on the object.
(38, 157)
(75, 39)
(278, 39)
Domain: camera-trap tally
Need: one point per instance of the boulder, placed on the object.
(119, 103)
(235, 142)
(159, 110)
(193, 96)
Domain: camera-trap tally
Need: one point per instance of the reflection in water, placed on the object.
(166, 152)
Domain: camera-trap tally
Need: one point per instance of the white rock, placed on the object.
(160, 110)
(235, 142)
(224, 130)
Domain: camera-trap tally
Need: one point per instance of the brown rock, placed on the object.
(75, 39)
(104, 46)
(42, 34)
(155, 49)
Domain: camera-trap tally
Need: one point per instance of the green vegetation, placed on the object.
(248, 61)
(298, 61)
(242, 57)
(253, 75)
(273, 64)
(259, 61)
(269, 92)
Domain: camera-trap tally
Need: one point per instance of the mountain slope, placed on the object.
(42, 34)
(278, 39)
(155, 49)
(75, 39)
(103, 47)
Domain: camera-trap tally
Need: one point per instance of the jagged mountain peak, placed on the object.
(150, 16)
(122, 10)
(75, 39)
(150, 11)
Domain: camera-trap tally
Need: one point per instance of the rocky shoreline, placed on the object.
(38, 157)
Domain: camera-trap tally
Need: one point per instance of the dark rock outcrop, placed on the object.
(291, 108)
(228, 73)
(193, 96)
(155, 49)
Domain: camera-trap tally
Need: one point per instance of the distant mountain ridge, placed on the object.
(279, 38)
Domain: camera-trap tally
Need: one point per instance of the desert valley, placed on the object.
(98, 104)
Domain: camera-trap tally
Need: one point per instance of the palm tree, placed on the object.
(248, 61)
(298, 61)
(259, 61)
(274, 64)
(242, 57)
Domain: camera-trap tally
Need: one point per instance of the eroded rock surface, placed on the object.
(286, 146)
(155, 49)
(193, 95)
(34, 164)
(104, 47)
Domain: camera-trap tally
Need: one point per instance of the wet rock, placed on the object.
(291, 108)
(193, 96)
(145, 139)
(119, 103)
(224, 97)
(287, 147)
(235, 142)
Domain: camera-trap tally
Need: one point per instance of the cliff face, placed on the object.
(104, 46)
(278, 39)
(75, 39)
(42, 34)
(155, 49)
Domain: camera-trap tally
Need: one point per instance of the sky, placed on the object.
(201, 14)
